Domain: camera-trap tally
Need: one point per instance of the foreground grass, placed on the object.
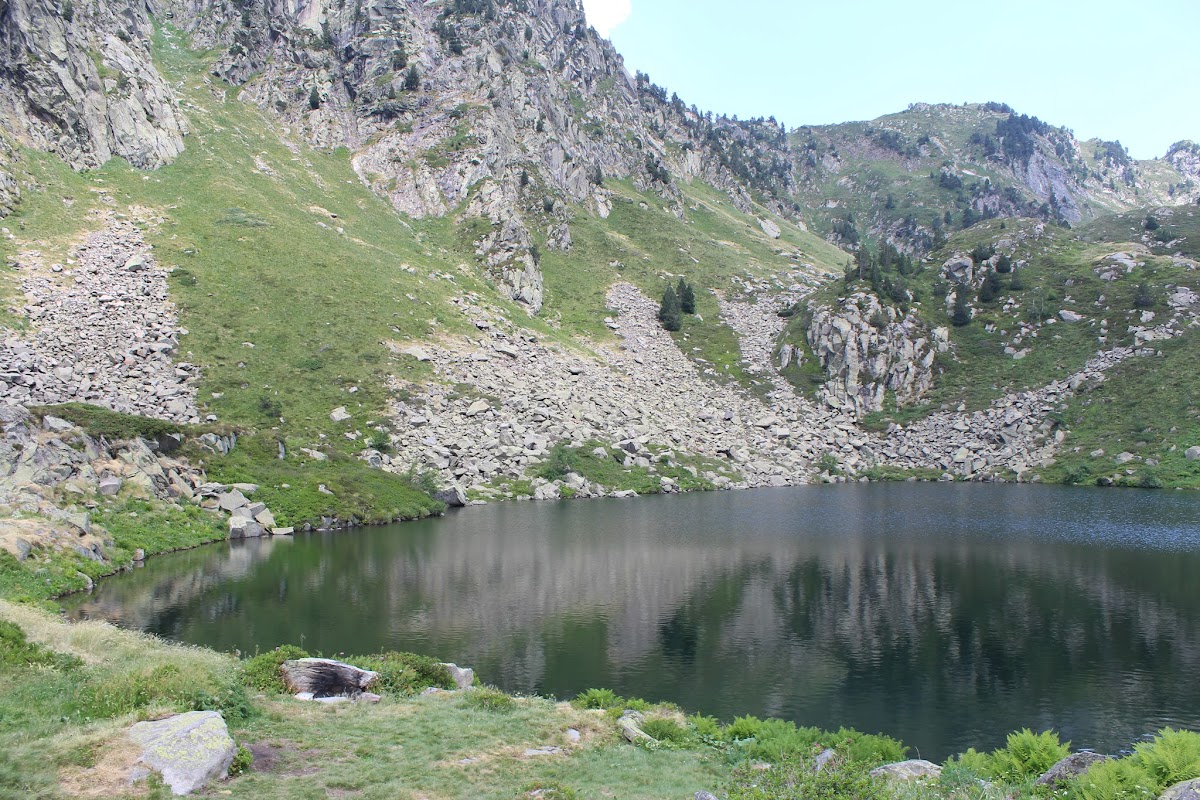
(72, 689)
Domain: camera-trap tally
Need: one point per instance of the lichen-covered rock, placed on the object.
(188, 750)
(913, 769)
(1069, 767)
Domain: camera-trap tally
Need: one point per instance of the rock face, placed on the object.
(189, 750)
(77, 80)
(868, 350)
(1069, 767)
(510, 110)
(102, 331)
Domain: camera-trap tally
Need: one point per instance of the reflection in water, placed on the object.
(944, 615)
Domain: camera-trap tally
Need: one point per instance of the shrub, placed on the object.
(743, 728)
(1172, 756)
(1114, 780)
(666, 730)
(705, 727)
(1027, 754)
(314, 99)
(241, 761)
(262, 671)
(1144, 296)
(598, 698)
(405, 673)
(486, 699)
(795, 779)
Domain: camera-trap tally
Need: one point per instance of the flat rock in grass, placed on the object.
(324, 677)
(907, 770)
(189, 750)
(1069, 767)
(1188, 790)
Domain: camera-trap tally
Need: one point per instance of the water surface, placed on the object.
(945, 615)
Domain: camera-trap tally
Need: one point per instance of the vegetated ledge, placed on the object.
(86, 492)
(74, 689)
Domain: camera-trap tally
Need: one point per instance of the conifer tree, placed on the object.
(962, 310)
(669, 312)
(687, 297)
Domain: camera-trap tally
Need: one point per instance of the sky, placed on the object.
(1112, 69)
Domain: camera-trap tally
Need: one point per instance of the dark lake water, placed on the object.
(944, 615)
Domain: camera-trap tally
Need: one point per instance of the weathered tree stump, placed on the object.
(324, 677)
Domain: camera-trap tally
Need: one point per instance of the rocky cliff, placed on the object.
(511, 112)
(869, 350)
(76, 79)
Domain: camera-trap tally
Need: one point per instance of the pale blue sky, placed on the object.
(1117, 70)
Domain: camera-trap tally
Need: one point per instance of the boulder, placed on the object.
(244, 528)
(1069, 767)
(464, 677)
(339, 414)
(189, 750)
(630, 726)
(1069, 316)
(1187, 790)
(453, 496)
(324, 677)
(1192, 453)
(770, 228)
(912, 769)
(109, 486)
(232, 500)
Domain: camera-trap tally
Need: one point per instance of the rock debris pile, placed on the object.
(103, 331)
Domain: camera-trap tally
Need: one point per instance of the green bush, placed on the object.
(705, 727)
(405, 673)
(666, 730)
(598, 698)
(1172, 756)
(262, 671)
(486, 699)
(1114, 780)
(795, 779)
(1027, 754)
(241, 761)
(743, 728)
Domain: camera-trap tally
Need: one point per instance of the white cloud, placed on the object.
(604, 15)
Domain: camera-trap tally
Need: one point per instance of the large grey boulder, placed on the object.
(453, 496)
(1069, 767)
(912, 769)
(324, 677)
(189, 750)
(1187, 790)
(1192, 453)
